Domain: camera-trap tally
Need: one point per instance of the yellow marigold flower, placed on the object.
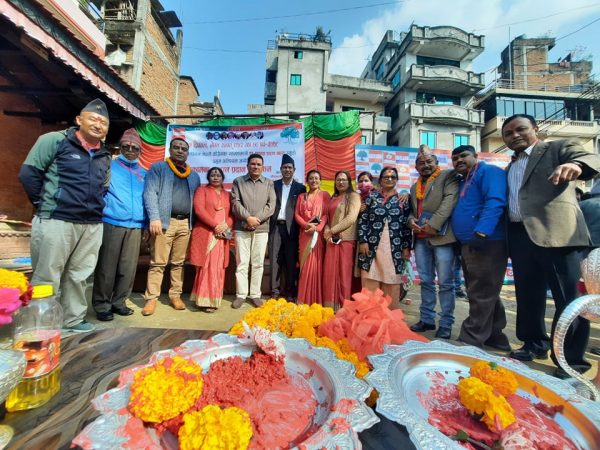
(9, 279)
(479, 398)
(166, 389)
(502, 380)
(214, 428)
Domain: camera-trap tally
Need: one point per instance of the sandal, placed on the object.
(209, 310)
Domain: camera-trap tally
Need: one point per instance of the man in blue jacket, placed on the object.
(168, 194)
(66, 175)
(478, 224)
(124, 218)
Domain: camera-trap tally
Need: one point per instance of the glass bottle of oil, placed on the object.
(36, 332)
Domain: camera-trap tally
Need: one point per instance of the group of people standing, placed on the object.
(92, 210)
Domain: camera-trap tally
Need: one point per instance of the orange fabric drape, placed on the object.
(151, 154)
(330, 156)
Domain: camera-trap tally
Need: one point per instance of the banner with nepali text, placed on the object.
(228, 147)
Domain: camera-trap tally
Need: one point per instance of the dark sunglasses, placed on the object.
(133, 148)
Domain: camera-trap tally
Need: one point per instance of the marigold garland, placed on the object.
(166, 389)
(502, 380)
(9, 279)
(420, 189)
(188, 169)
(213, 428)
(301, 321)
(479, 398)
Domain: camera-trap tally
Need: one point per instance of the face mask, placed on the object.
(130, 161)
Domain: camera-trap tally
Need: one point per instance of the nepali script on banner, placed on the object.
(373, 158)
(228, 147)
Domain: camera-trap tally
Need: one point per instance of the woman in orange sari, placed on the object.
(340, 238)
(209, 247)
(311, 216)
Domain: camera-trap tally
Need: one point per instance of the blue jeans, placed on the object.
(457, 274)
(432, 260)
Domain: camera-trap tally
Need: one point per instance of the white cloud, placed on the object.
(487, 17)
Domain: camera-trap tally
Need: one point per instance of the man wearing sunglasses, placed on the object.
(123, 220)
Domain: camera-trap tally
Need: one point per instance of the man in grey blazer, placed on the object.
(546, 233)
(283, 233)
(433, 198)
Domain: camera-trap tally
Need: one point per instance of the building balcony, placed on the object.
(270, 93)
(444, 79)
(363, 89)
(443, 42)
(446, 114)
(558, 129)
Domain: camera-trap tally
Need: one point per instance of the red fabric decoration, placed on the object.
(328, 157)
(151, 154)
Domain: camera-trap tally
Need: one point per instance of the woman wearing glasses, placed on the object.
(123, 219)
(384, 238)
(340, 241)
(311, 216)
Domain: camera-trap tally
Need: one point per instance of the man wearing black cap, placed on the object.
(283, 233)
(66, 175)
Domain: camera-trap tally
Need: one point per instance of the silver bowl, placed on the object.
(401, 371)
(331, 380)
(12, 368)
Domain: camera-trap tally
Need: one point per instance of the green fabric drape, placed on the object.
(151, 132)
(332, 127)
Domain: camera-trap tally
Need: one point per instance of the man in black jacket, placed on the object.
(283, 233)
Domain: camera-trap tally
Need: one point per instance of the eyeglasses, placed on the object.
(389, 177)
(133, 148)
(341, 180)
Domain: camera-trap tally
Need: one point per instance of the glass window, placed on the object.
(428, 138)
(295, 79)
(271, 76)
(431, 61)
(352, 108)
(461, 139)
(396, 79)
(519, 107)
(379, 72)
(363, 139)
(540, 111)
(298, 54)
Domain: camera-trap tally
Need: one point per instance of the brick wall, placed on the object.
(160, 76)
(187, 95)
(17, 137)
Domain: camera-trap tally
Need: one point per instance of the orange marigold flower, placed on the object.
(9, 279)
(502, 380)
(166, 389)
(479, 398)
(213, 428)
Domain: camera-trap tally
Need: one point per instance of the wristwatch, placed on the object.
(480, 234)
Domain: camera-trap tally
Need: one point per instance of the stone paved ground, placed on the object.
(225, 317)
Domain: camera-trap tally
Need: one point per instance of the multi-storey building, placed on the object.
(142, 48)
(429, 69)
(298, 82)
(561, 95)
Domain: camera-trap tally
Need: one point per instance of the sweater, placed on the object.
(158, 193)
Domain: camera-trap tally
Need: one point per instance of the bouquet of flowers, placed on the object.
(15, 291)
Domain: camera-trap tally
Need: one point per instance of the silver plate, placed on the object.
(331, 380)
(401, 371)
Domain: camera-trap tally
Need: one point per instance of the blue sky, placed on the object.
(224, 44)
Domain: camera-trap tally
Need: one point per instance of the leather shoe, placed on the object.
(124, 311)
(238, 302)
(443, 333)
(528, 353)
(149, 307)
(105, 316)
(499, 343)
(177, 304)
(421, 326)
(595, 350)
(258, 302)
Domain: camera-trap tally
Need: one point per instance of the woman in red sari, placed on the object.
(311, 209)
(340, 238)
(209, 247)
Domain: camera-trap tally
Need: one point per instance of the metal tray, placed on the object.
(402, 370)
(330, 378)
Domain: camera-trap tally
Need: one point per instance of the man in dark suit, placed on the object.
(546, 233)
(283, 233)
